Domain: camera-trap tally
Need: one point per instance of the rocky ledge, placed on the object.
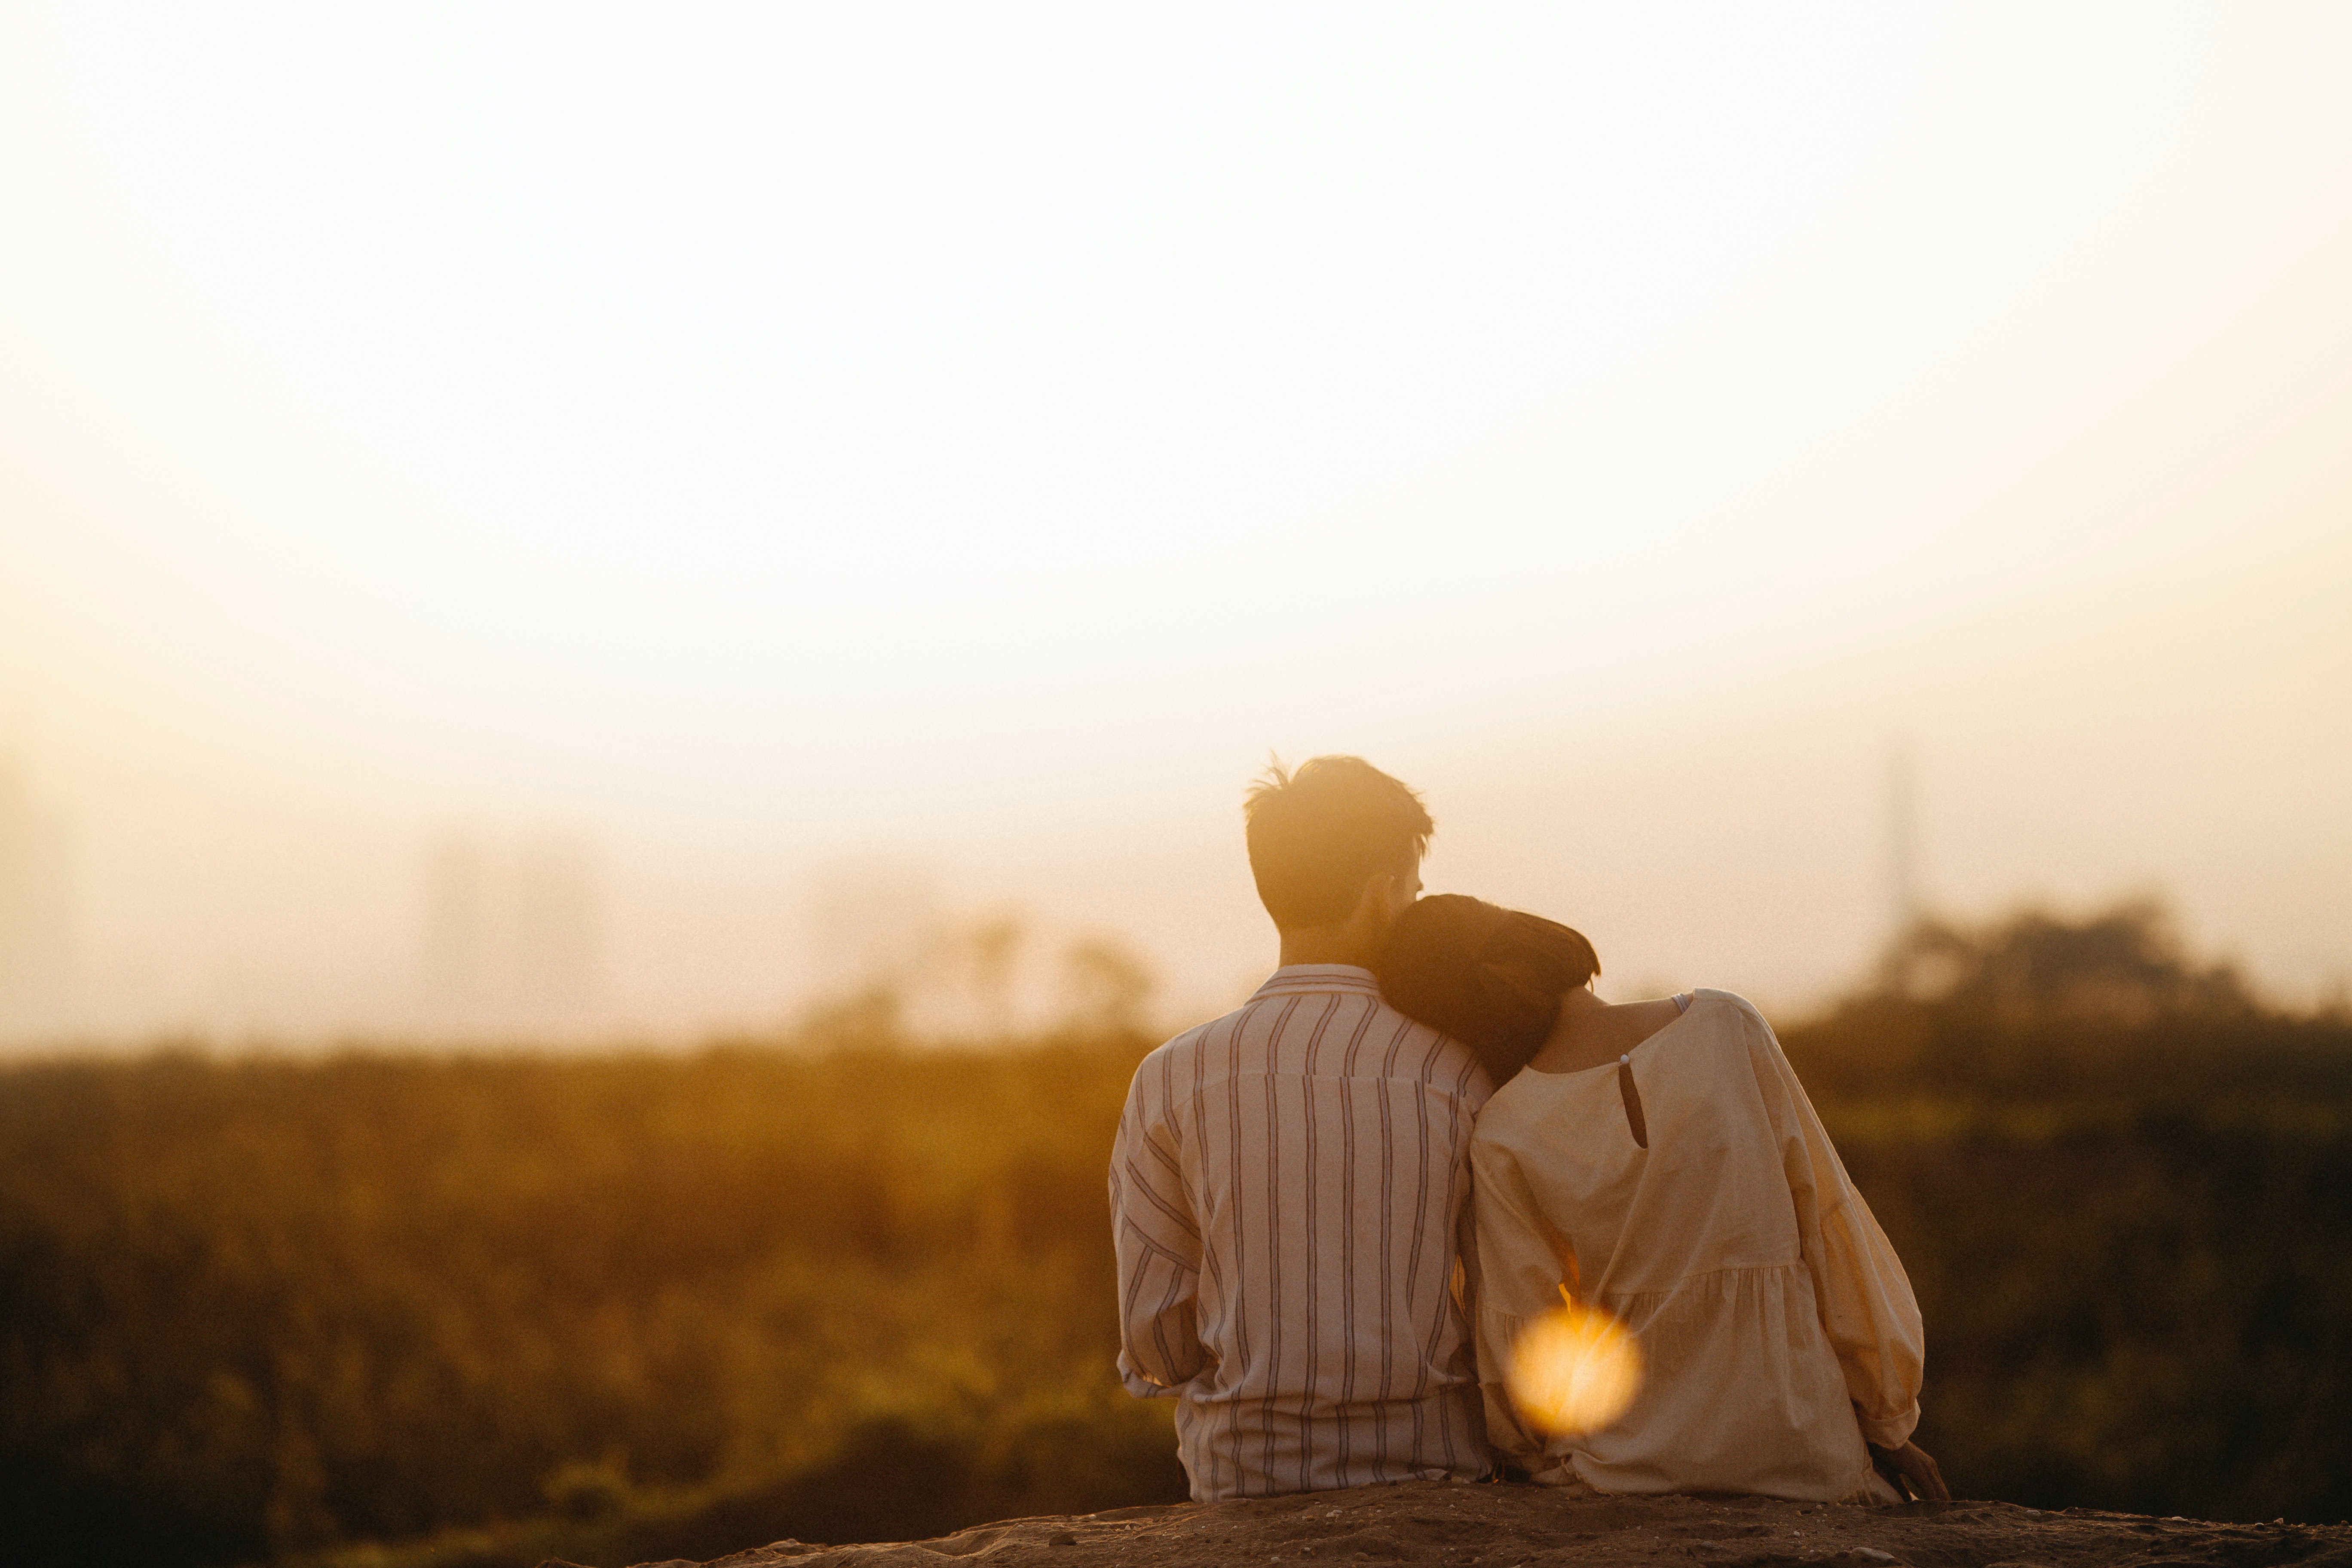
(1524, 1527)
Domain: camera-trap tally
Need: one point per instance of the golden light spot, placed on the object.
(1573, 1370)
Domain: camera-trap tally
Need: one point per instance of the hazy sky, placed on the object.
(830, 468)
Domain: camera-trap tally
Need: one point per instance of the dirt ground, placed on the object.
(1510, 1526)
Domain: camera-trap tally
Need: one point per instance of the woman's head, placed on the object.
(1490, 977)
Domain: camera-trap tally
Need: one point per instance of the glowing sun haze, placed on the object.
(790, 477)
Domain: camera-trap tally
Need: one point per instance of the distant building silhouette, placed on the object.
(511, 933)
(552, 959)
(36, 911)
(454, 928)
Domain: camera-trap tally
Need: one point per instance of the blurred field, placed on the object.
(390, 1308)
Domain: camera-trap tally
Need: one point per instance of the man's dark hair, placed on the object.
(1317, 835)
(1490, 977)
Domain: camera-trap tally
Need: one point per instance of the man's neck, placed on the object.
(1327, 944)
(1355, 938)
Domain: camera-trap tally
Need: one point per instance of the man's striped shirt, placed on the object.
(1289, 1196)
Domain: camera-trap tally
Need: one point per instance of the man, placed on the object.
(1290, 1183)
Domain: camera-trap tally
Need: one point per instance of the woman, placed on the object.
(1661, 1160)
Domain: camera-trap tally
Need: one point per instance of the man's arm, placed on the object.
(1157, 1242)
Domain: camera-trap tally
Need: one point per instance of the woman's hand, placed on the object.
(1918, 1469)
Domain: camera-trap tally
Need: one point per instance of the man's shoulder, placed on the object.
(1180, 1049)
(1177, 1047)
(1308, 1024)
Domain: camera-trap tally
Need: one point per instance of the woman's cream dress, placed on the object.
(1774, 1318)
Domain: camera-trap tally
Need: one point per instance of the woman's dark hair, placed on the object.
(1490, 977)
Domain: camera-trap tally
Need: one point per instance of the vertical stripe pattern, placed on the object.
(1289, 1191)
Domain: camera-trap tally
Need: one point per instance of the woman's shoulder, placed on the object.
(1722, 1027)
(1729, 1007)
(1737, 1037)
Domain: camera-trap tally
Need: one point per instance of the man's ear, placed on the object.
(1372, 898)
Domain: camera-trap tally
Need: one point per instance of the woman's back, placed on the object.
(1768, 1306)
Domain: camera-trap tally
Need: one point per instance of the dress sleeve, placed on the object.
(1518, 1273)
(1868, 1312)
(1157, 1242)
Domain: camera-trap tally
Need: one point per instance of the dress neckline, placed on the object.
(1682, 1000)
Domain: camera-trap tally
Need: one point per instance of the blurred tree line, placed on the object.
(2123, 1189)
(383, 1309)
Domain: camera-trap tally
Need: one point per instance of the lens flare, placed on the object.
(1573, 1370)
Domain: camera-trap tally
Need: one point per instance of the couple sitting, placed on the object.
(1337, 1209)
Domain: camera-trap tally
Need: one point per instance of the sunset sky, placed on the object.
(815, 476)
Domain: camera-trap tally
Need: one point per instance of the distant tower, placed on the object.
(1902, 836)
(36, 911)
